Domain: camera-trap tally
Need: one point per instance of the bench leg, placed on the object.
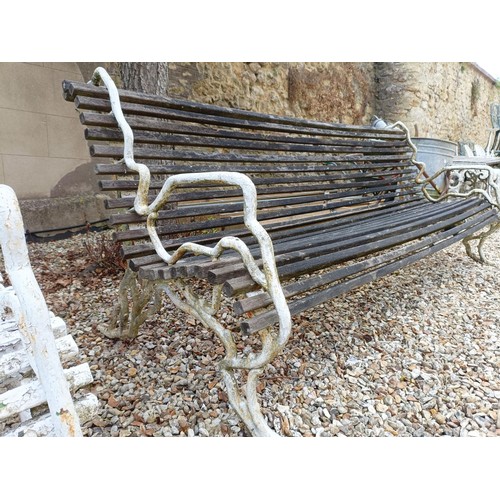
(244, 402)
(133, 308)
(482, 237)
(247, 406)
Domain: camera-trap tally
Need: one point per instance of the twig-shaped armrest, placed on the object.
(268, 279)
(485, 181)
(423, 178)
(484, 178)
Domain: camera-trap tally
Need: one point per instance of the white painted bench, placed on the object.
(35, 390)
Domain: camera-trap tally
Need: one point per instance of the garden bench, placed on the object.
(36, 392)
(277, 214)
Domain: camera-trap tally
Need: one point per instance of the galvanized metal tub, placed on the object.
(435, 153)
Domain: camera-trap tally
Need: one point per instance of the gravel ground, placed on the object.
(414, 354)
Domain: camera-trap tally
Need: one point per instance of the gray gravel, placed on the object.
(414, 354)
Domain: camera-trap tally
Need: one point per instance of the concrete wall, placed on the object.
(43, 155)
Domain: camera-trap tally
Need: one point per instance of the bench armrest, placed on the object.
(464, 180)
(268, 279)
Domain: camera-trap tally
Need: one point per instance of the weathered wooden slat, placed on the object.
(199, 266)
(316, 128)
(83, 94)
(346, 169)
(324, 204)
(364, 246)
(304, 247)
(291, 242)
(284, 242)
(339, 146)
(219, 271)
(145, 249)
(338, 219)
(176, 228)
(263, 299)
(283, 185)
(115, 152)
(152, 124)
(218, 207)
(258, 322)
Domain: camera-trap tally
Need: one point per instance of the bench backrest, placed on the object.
(303, 169)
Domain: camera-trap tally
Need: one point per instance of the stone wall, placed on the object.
(324, 91)
(449, 101)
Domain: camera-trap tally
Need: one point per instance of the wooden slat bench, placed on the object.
(38, 373)
(342, 204)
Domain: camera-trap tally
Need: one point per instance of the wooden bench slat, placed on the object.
(157, 138)
(88, 96)
(156, 125)
(259, 322)
(324, 204)
(284, 243)
(333, 223)
(348, 170)
(366, 245)
(275, 183)
(303, 248)
(145, 249)
(127, 201)
(262, 299)
(143, 153)
(130, 109)
(224, 207)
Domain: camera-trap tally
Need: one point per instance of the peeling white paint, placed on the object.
(245, 404)
(34, 327)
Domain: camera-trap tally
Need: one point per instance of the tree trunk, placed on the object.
(151, 78)
(148, 77)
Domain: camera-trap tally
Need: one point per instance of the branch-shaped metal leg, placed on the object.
(244, 402)
(133, 308)
(480, 257)
(247, 406)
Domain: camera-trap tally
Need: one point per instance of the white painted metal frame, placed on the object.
(465, 180)
(244, 403)
(30, 313)
(462, 181)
